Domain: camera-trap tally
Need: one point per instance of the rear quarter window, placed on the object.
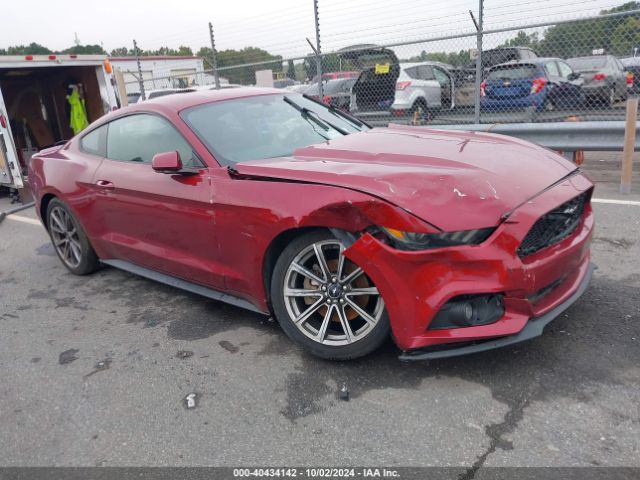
(95, 142)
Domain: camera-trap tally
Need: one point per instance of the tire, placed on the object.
(610, 100)
(329, 326)
(419, 105)
(549, 105)
(69, 240)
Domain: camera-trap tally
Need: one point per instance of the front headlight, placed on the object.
(424, 241)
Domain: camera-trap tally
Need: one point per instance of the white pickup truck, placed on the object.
(34, 111)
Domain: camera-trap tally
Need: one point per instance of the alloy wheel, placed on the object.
(328, 298)
(65, 236)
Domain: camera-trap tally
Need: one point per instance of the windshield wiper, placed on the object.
(338, 113)
(311, 115)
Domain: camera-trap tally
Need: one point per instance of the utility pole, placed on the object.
(476, 115)
(214, 61)
(136, 51)
(317, 49)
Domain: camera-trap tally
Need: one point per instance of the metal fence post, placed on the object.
(140, 79)
(318, 51)
(214, 61)
(476, 112)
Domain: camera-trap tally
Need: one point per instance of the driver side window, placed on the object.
(137, 138)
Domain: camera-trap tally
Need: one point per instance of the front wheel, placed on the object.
(325, 302)
(69, 240)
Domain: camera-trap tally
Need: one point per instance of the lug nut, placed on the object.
(324, 288)
(334, 279)
(342, 300)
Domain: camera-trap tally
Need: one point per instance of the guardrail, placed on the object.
(564, 136)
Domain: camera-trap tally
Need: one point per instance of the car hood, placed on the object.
(453, 180)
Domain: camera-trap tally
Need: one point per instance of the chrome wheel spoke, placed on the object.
(322, 333)
(340, 264)
(75, 250)
(363, 291)
(59, 223)
(306, 272)
(353, 275)
(365, 316)
(344, 321)
(57, 229)
(322, 261)
(65, 251)
(308, 312)
(301, 292)
(60, 241)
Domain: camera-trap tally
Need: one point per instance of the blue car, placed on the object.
(542, 83)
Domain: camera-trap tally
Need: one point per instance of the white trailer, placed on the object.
(34, 111)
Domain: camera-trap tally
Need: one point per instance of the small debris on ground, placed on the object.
(228, 346)
(344, 393)
(184, 354)
(68, 356)
(190, 400)
(99, 367)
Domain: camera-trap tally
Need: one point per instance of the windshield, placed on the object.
(512, 72)
(332, 87)
(587, 63)
(264, 126)
(494, 57)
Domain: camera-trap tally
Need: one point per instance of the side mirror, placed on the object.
(166, 162)
(573, 76)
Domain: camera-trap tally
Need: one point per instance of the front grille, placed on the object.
(554, 226)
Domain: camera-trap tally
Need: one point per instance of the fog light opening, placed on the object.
(469, 311)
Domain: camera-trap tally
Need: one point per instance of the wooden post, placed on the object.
(120, 86)
(629, 145)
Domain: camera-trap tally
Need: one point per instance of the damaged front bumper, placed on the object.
(533, 328)
(533, 289)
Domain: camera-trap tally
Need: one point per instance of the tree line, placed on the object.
(617, 36)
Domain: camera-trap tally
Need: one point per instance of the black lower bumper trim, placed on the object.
(532, 329)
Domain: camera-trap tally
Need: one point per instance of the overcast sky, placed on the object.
(279, 26)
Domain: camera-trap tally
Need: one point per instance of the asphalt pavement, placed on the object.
(102, 370)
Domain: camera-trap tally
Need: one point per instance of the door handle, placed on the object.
(105, 185)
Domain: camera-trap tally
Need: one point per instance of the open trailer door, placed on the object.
(10, 175)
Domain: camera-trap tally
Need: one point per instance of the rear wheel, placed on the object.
(419, 114)
(325, 302)
(69, 240)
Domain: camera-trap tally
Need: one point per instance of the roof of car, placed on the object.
(429, 63)
(606, 55)
(199, 97)
(529, 61)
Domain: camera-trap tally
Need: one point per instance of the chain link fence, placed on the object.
(455, 62)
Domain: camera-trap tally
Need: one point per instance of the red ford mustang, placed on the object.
(451, 242)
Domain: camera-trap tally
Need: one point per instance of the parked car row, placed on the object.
(513, 78)
(554, 83)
